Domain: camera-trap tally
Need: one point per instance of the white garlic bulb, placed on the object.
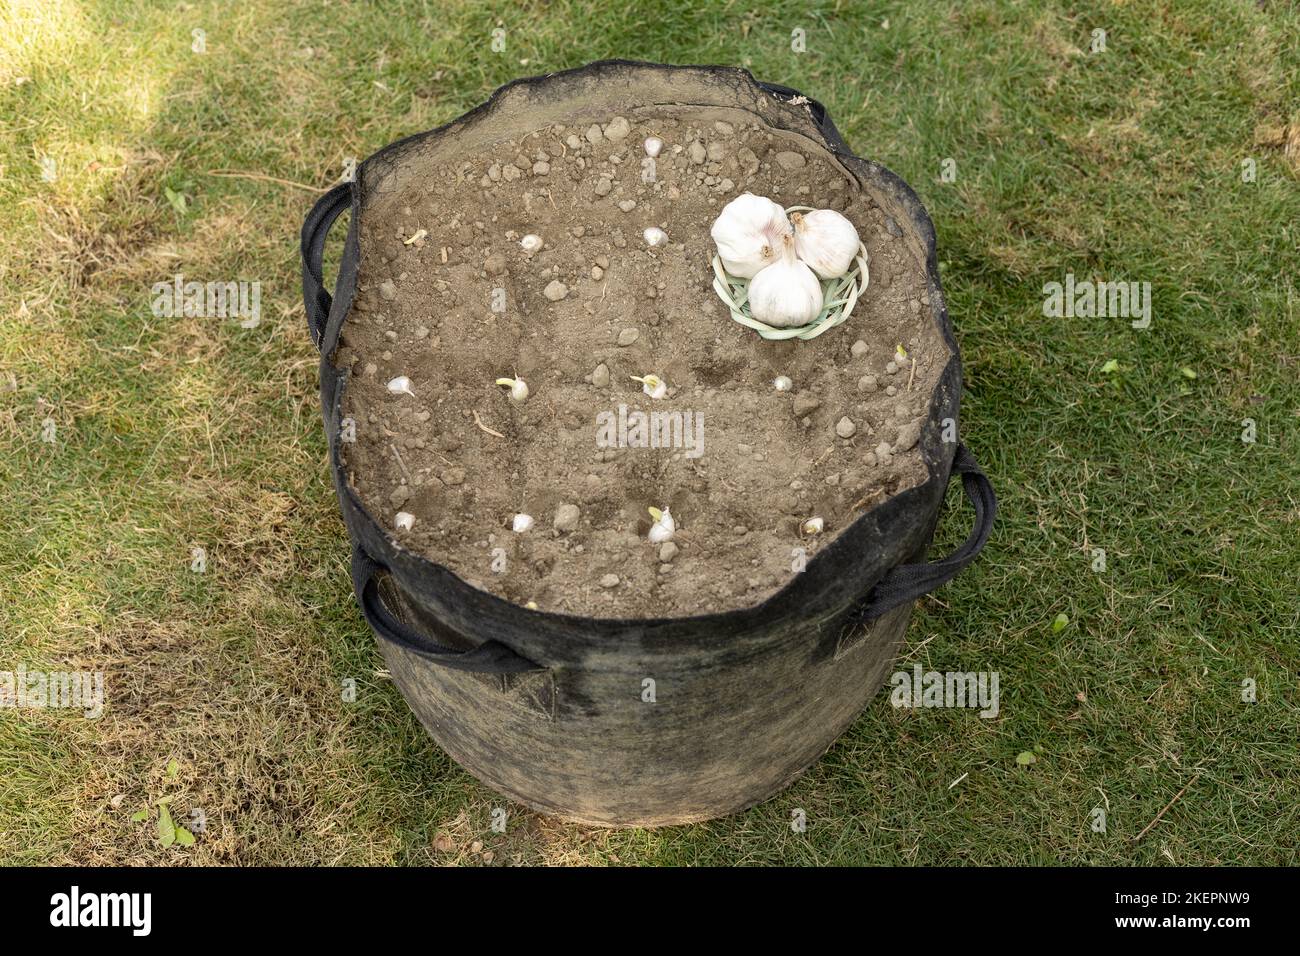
(664, 527)
(786, 293)
(653, 145)
(826, 241)
(521, 523)
(654, 236)
(531, 243)
(749, 233)
(518, 388)
(404, 521)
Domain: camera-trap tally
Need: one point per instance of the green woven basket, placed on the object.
(839, 296)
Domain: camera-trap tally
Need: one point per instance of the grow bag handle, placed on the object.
(490, 657)
(907, 582)
(314, 230)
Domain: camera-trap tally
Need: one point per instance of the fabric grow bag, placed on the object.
(555, 711)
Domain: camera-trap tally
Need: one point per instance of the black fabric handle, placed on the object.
(490, 657)
(314, 230)
(907, 582)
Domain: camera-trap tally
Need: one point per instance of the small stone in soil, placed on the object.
(603, 186)
(566, 518)
(594, 134)
(494, 265)
(859, 348)
(600, 377)
(908, 436)
(667, 551)
(556, 290)
(617, 129)
(805, 403)
(867, 383)
(387, 290)
(628, 336)
(627, 205)
(892, 368)
(609, 581)
(845, 427)
(789, 160)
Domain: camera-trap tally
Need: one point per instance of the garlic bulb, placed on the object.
(653, 145)
(664, 527)
(826, 241)
(652, 385)
(531, 243)
(518, 388)
(749, 233)
(521, 523)
(782, 383)
(654, 236)
(404, 521)
(786, 293)
(401, 386)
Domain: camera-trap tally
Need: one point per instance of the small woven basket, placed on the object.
(839, 296)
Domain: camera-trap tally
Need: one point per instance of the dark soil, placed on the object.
(770, 459)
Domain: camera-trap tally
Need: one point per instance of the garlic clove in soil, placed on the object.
(654, 236)
(812, 526)
(664, 527)
(518, 388)
(531, 243)
(653, 146)
(782, 383)
(826, 241)
(404, 521)
(749, 234)
(652, 385)
(521, 523)
(401, 386)
(786, 293)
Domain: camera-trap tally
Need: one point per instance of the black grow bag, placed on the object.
(547, 708)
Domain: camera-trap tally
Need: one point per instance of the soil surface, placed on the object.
(448, 297)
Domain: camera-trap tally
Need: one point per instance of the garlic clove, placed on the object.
(654, 236)
(664, 526)
(749, 234)
(782, 383)
(521, 523)
(401, 386)
(518, 388)
(812, 526)
(785, 294)
(652, 385)
(653, 146)
(404, 521)
(531, 243)
(826, 241)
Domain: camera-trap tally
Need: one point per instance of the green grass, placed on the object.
(176, 433)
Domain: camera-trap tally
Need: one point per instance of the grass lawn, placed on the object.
(170, 434)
